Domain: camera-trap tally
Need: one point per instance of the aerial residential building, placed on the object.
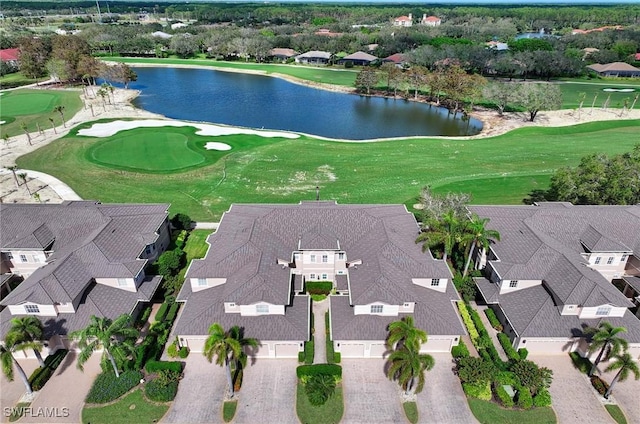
(403, 21)
(432, 21)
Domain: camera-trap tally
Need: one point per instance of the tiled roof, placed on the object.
(315, 54)
(613, 67)
(634, 282)
(283, 52)
(360, 56)
(7, 55)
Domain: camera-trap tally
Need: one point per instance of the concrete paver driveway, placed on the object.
(442, 400)
(574, 400)
(200, 393)
(625, 393)
(369, 397)
(268, 392)
(12, 391)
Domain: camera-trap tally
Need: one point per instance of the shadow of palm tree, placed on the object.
(69, 360)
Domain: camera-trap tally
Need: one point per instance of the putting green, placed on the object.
(157, 152)
(28, 103)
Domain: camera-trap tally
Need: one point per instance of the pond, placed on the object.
(258, 101)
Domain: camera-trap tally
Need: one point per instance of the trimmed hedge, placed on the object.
(41, 375)
(477, 390)
(503, 396)
(155, 366)
(107, 387)
(523, 353)
(183, 352)
(599, 384)
(582, 364)
(161, 393)
(475, 317)
(318, 287)
(506, 377)
(525, 401)
(173, 311)
(337, 357)
(162, 312)
(319, 369)
(508, 348)
(468, 322)
(543, 398)
(493, 319)
(309, 351)
(460, 351)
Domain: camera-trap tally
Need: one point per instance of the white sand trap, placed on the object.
(212, 145)
(2, 122)
(620, 90)
(108, 129)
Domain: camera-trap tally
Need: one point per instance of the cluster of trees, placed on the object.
(531, 96)
(599, 179)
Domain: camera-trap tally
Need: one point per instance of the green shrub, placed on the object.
(155, 366)
(144, 316)
(475, 317)
(158, 392)
(318, 369)
(543, 398)
(506, 377)
(181, 221)
(318, 287)
(142, 350)
(181, 239)
(170, 262)
(477, 390)
(476, 370)
(493, 319)
(460, 351)
(172, 350)
(107, 387)
(337, 357)
(503, 396)
(508, 348)
(525, 401)
(599, 384)
(309, 351)
(532, 376)
(582, 364)
(183, 352)
(468, 322)
(41, 375)
(173, 310)
(523, 353)
(300, 357)
(319, 388)
(162, 312)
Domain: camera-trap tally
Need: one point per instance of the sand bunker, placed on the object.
(212, 145)
(620, 90)
(107, 129)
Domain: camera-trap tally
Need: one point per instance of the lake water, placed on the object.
(271, 103)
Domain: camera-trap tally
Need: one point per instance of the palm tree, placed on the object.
(407, 365)
(53, 126)
(60, 110)
(5, 138)
(478, 235)
(444, 232)
(404, 333)
(29, 328)
(625, 364)
(227, 347)
(116, 338)
(605, 338)
(102, 93)
(11, 344)
(23, 177)
(23, 127)
(13, 169)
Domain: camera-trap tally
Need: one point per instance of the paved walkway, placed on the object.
(574, 400)
(12, 391)
(268, 392)
(626, 394)
(205, 225)
(492, 331)
(369, 397)
(200, 393)
(320, 332)
(67, 388)
(442, 400)
(61, 189)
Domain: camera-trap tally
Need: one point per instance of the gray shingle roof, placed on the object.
(634, 282)
(360, 56)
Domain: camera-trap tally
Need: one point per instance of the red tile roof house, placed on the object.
(10, 56)
(398, 58)
(403, 21)
(79, 259)
(358, 59)
(550, 275)
(261, 257)
(432, 21)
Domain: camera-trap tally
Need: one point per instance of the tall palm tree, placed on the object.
(404, 333)
(606, 338)
(444, 232)
(408, 365)
(53, 126)
(116, 339)
(478, 235)
(11, 344)
(23, 177)
(625, 364)
(29, 328)
(227, 346)
(23, 127)
(13, 169)
(60, 110)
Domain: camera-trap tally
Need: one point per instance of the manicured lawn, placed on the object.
(411, 411)
(496, 170)
(15, 80)
(133, 408)
(616, 413)
(229, 410)
(329, 413)
(571, 93)
(196, 246)
(489, 413)
(35, 107)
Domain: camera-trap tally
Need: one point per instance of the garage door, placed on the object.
(287, 350)
(550, 347)
(352, 350)
(195, 345)
(377, 350)
(438, 345)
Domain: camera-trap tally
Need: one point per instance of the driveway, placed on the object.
(268, 392)
(12, 391)
(369, 397)
(574, 400)
(200, 393)
(442, 400)
(67, 388)
(626, 394)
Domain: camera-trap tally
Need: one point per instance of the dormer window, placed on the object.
(513, 284)
(598, 259)
(603, 311)
(23, 258)
(262, 309)
(435, 282)
(325, 259)
(341, 256)
(377, 309)
(32, 309)
(122, 282)
(624, 258)
(202, 282)
(313, 258)
(610, 260)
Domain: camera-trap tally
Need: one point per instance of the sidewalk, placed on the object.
(320, 333)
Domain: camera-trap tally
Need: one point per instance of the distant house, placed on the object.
(358, 59)
(327, 33)
(161, 34)
(79, 259)
(615, 69)
(282, 54)
(403, 21)
(262, 257)
(314, 57)
(637, 57)
(398, 58)
(10, 56)
(497, 45)
(432, 21)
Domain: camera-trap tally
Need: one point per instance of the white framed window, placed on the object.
(377, 309)
(32, 309)
(341, 256)
(406, 305)
(232, 305)
(610, 260)
(262, 309)
(313, 258)
(603, 311)
(435, 282)
(122, 282)
(624, 258)
(36, 258)
(325, 276)
(312, 276)
(325, 259)
(598, 259)
(513, 284)
(23, 258)
(296, 256)
(202, 282)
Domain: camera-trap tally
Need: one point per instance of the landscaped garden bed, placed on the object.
(133, 408)
(319, 394)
